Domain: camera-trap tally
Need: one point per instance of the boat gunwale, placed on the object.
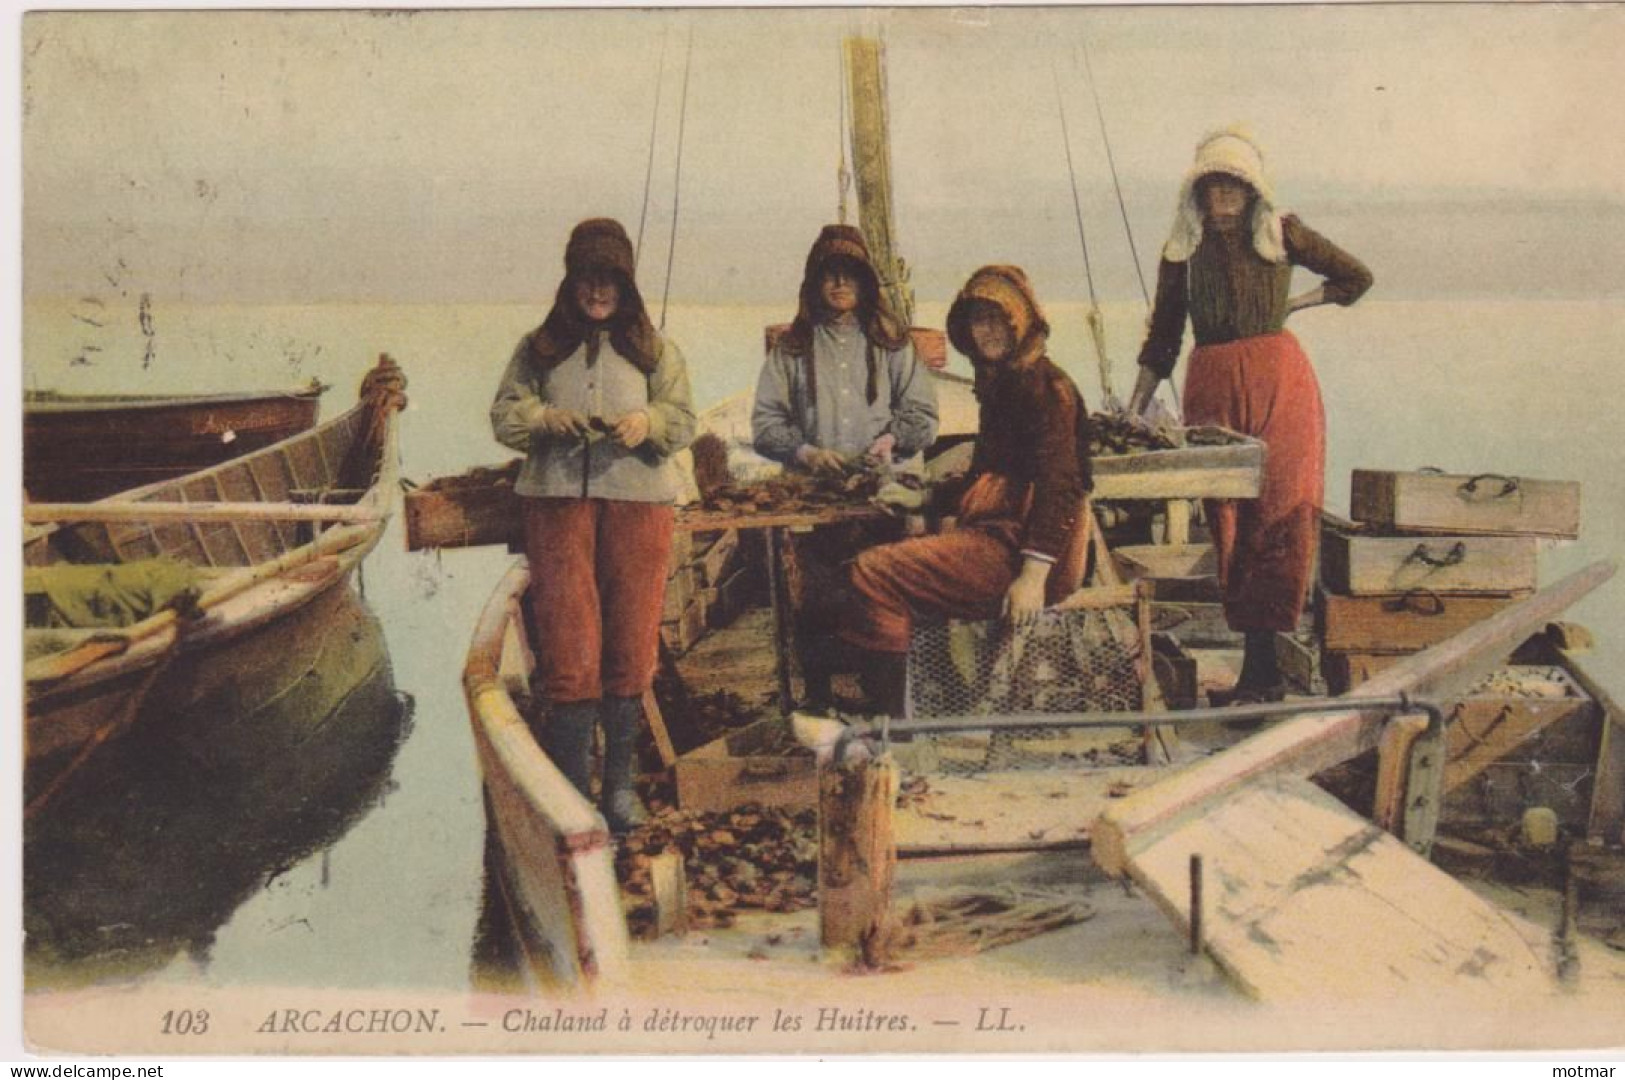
(51, 403)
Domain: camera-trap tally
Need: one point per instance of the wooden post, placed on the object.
(670, 887)
(857, 851)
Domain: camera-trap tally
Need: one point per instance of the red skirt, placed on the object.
(1265, 387)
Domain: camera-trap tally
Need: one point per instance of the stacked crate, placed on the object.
(704, 587)
(1427, 555)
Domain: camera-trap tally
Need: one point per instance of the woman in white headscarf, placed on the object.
(1227, 266)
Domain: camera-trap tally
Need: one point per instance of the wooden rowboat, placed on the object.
(253, 531)
(78, 447)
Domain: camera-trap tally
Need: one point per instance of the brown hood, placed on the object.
(598, 245)
(879, 322)
(1008, 288)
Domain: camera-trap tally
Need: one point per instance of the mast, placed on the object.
(871, 161)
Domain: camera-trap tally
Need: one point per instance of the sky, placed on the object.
(442, 156)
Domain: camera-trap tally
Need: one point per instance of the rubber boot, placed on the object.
(568, 741)
(884, 677)
(623, 719)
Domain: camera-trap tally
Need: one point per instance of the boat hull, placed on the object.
(79, 449)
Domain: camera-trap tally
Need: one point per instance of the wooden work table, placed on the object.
(773, 525)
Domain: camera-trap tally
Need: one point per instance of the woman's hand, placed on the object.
(1145, 388)
(631, 429)
(1025, 599)
(817, 459)
(880, 451)
(559, 423)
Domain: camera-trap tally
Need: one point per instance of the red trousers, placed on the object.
(1264, 386)
(962, 574)
(597, 586)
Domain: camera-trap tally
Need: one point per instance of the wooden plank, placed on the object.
(857, 852)
(1607, 823)
(1309, 902)
(1309, 744)
(1443, 502)
(1399, 623)
(713, 564)
(657, 729)
(1026, 809)
(1356, 563)
(193, 513)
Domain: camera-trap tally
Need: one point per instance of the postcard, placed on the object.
(930, 530)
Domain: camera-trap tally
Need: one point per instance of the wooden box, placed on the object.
(717, 556)
(756, 764)
(1175, 670)
(1442, 502)
(1553, 721)
(1398, 624)
(1358, 562)
(1299, 661)
(478, 507)
(1216, 463)
(680, 590)
(681, 633)
(1343, 671)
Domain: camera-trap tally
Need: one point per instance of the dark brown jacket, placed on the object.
(1034, 425)
(1230, 292)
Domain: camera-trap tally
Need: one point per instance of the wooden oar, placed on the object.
(62, 513)
(62, 665)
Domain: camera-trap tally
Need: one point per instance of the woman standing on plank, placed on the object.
(598, 402)
(1228, 267)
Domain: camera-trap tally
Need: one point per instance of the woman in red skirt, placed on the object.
(1228, 267)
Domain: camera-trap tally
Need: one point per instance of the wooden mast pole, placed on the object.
(871, 167)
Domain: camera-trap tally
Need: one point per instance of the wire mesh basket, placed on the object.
(1093, 657)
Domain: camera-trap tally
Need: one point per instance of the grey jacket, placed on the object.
(786, 416)
(609, 387)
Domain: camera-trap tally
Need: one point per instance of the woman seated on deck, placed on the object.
(841, 388)
(1021, 537)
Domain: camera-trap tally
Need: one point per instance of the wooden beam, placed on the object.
(1309, 744)
(64, 513)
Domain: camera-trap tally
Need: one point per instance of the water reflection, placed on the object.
(157, 841)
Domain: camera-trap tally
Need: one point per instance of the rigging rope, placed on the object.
(843, 174)
(677, 177)
(648, 170)
(1122, 209)
(1097, 325)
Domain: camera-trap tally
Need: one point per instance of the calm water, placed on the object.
(1522, 388)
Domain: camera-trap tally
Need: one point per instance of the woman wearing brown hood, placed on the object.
(1228, 266)
(598, 402)
(842, 386)
(1021, 535)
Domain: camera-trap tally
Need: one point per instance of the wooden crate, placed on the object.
(478, 507)
(681, 633)
(747, 766)
(1396, 624)
(715, 556)
(1358, 562)
(1442, 502)
(1222, 465)
(1175, 670)
(1343, 671)
(1299, 662)
(1488, 730)
(680, 590)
